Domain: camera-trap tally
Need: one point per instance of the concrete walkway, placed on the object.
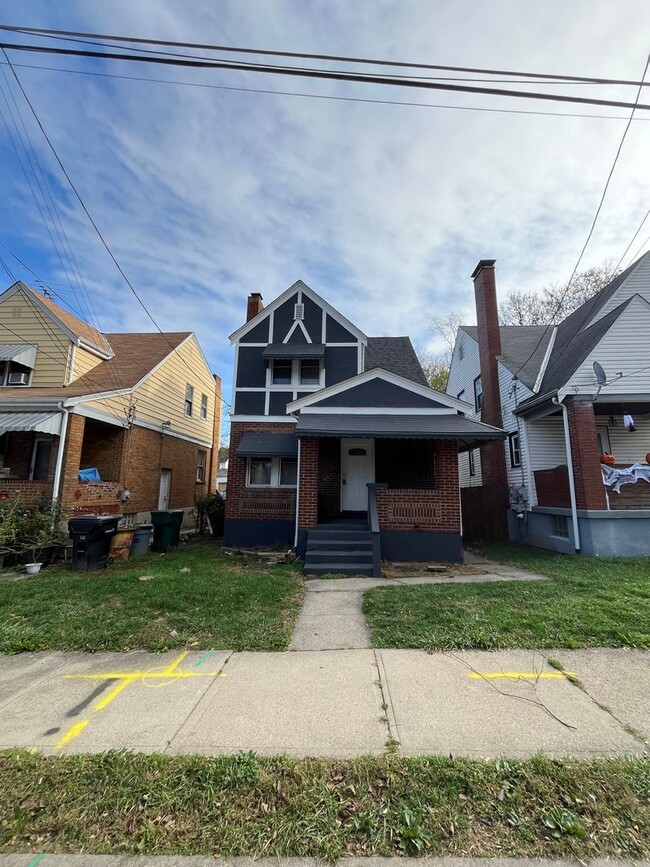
(332, 616)
(29, 860)
(333, 703)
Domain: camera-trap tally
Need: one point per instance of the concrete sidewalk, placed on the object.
(204, 861)
(338, 703)
(332, 614)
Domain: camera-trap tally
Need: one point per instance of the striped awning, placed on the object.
(21, 353)
(44, 422)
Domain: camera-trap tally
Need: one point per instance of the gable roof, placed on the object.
(395, 354)
(439, 403)
(298, 286)
(517, 342)
(71, 323)
(136, 356)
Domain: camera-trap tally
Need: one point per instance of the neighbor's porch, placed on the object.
(29, 453)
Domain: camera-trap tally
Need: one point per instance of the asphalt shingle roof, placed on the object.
(517, 342)
(396, 355)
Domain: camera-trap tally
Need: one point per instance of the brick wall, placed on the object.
(264, 504)
(308, 500)
(30, 492)
(329, 478)
(148, 452)
(102, 447)
(72, 460)
(590, 491)
(437, 510)
(93, 498)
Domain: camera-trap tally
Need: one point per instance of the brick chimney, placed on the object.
(493, 461)
(255, 305)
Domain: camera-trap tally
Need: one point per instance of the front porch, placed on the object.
(29, 459)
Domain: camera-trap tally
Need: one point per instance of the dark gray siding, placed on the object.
(278, 402)
(313, 320)
(336, 333)
(259, 334)
(298, 336)
(340, 363)
(283, 319)
(379, 393)
(251, 367)
(249, 403)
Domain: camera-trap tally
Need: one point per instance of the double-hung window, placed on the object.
(296, 372)
(272, 472)
(204, 406)
(189, 399)
(201, 460)
(515, 450)
(478, 394)
(472, 463)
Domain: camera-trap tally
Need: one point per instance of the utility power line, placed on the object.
(327, 75)
(327, 57)
(589, 234)
(325, 96)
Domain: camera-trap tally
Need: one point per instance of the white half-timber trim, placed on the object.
(303, 288)
(297, 324)
(265, 418)
(378, 373)
(376, 410)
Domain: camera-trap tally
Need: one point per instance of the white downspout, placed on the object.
(295, 538)
(572, 486)
(59, 455)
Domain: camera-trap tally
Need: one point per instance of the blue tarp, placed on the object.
(91, 475)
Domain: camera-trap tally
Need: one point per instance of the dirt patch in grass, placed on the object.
(387, 805)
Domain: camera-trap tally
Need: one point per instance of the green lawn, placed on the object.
(221, 602)
(379, 805)
(589, 603)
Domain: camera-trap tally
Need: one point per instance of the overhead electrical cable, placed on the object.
(326, 57)
(634, 237)
(328, 75)
(587, 239)
(332, 97)
(94, 224)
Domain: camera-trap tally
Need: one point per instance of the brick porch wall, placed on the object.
(590, 491)
(257, 504)
(433, 510)
(308, 501)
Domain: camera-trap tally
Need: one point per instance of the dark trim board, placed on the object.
(301, 547)
(418, 546)
(244, 533)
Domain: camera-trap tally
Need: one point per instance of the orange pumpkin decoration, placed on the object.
(647, 458)
(607, 459)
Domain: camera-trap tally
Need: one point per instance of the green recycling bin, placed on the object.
(166, 529)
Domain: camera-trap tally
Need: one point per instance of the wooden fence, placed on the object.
(484, 514)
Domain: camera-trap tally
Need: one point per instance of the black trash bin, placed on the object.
(91, 540)
(166, 529)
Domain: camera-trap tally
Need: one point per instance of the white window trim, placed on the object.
(275, 473)
(203, 412)
(200, 466)
(189, 389)
(512, 450)
(295, 383)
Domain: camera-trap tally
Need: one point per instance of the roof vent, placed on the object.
(299, 311)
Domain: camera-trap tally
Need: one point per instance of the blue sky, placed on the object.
(207, 194)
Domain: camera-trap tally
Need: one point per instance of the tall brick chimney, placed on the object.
(493, 460)
(255, 304)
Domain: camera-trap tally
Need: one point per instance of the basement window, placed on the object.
(560, 526)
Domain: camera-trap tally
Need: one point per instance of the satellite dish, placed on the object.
(601, 377)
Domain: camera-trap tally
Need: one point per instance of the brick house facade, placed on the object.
(337, 436)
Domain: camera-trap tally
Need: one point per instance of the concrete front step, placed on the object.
(338, 568)
(340, 535)
(338, 556)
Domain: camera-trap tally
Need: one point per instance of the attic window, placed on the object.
(299, 311)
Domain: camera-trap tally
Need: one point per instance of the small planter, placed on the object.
(33, 568)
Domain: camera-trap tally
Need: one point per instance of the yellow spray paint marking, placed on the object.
(521, 675)
(72, 733)
(125, 679)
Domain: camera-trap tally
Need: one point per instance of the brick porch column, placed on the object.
(71, 458)
(308, 484)
(590, 491)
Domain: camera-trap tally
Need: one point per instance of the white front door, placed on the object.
(165, 486)
(357, 471)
